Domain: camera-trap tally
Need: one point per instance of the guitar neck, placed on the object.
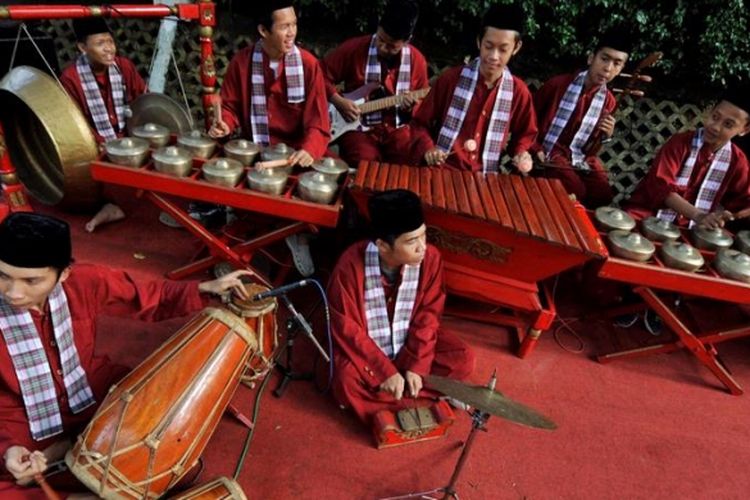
(390, 102)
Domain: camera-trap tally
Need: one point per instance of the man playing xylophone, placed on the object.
(102, 84)
(569, 109)
(50, 379)
(386, 58)
(471, 112)
(387, 296)
(701, 177)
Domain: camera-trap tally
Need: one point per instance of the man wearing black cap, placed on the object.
(50, 378)
(386, 298)
(476, 112)
(102, 84)
(569, 108)
(388, 59)
(701, 177)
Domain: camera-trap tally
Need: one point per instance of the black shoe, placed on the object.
(626, 320)
(653, 323)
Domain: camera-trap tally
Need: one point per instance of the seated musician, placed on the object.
(275, 93)
(570, 109)
(387, 296)
(386, 58)
(700, 176)
(475, 112)
(50, 378)
(102, 84)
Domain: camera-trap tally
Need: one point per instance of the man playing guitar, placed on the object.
(384, 60)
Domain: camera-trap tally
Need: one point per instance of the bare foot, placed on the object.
(108, 213)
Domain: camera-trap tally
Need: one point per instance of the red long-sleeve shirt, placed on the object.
(661, 180)
(428, 120)
(546, 102)
(347, 62)
(303, 125)
(91, 291)
(134, 86)
(349, 322)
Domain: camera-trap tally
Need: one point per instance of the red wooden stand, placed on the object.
(388, 432)
(301, 215)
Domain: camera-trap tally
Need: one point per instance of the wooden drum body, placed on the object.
(220, 488)
(152, 426)
(260, 316)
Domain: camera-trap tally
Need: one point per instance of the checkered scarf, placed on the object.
(295, 89)
(94, 99)
(499, 121)
(563, 114)
(390, 338)
(33, 369)
(373, 72)
(711, 184)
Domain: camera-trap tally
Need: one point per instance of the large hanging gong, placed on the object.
(49, 141)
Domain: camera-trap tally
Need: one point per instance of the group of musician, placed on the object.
(386, 293)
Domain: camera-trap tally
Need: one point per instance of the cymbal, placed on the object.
(161, 110)
(490, 401)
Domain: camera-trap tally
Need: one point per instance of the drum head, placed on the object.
(159, 109)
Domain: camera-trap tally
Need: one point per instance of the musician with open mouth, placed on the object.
(367, 123)
(476, 112)
(275, 91)
(571, 109)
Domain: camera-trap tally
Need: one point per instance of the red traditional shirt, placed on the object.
(429, 118)
(349, 323)
(303, 125)
(346, 63)
(661, 180)
(546, 101)
(91, 291)
(134, 86)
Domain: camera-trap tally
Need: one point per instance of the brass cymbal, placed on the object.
(161, 110)
(49, 141)
(490, 401)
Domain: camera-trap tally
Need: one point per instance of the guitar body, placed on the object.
(339, 125)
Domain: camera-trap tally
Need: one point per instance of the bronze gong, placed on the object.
(49, 141)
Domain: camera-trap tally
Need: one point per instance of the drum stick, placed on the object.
(745, 212)
(46, 488)
(272, 164)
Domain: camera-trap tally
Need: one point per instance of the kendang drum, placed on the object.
(152, 427)
(220, 488)
(260, 316)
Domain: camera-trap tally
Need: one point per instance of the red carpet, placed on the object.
(658, 427)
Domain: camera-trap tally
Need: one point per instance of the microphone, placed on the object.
(281, 290)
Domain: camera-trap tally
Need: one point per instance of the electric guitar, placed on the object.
(339, 125)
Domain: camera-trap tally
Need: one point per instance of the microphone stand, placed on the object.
(294, 324)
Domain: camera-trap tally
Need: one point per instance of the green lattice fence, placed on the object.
(643, 124)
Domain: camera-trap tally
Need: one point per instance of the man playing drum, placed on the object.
(387, 296)
(701, 177)
(569, 108)
(50, 379)
(475, 112)
(386, 58)
(102, 84)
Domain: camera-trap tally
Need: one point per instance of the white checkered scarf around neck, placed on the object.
(94, 99)
(712, 182)
(373, 73)
(295, 89)
(33, 369)
(565, 111)
(499, 120)
(389, 337)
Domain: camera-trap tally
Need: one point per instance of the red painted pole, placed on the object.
(13, 191)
